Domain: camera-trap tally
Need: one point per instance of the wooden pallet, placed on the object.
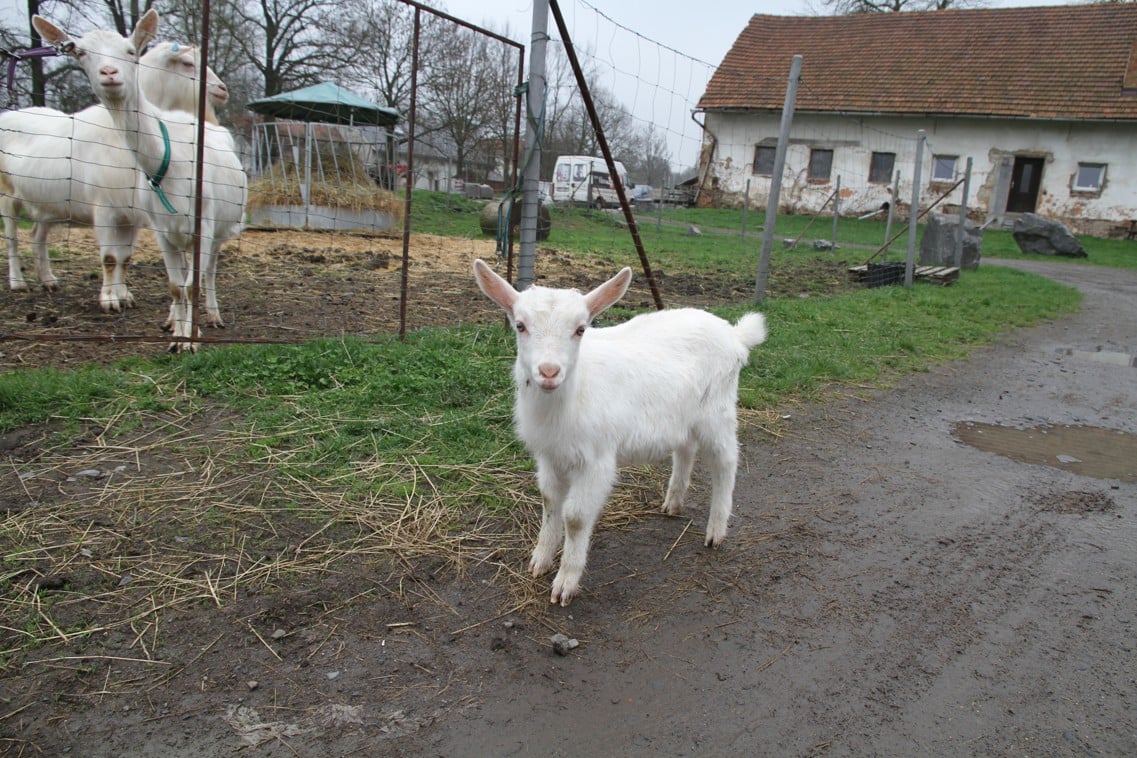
(942, 275)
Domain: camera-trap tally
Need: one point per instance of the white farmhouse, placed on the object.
(1043, 100)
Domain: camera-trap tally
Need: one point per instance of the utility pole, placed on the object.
(531, 171)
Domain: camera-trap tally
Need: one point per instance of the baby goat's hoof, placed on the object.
(714, 540)
(563, 591)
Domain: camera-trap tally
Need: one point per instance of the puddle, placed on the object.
(1086, 450)
(1104, 356)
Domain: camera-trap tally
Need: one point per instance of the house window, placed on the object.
(820, 164)
(943, 168)
(880, 168)
(764, 160)
(1090, 177)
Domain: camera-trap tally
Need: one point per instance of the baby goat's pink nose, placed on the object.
(549, 370)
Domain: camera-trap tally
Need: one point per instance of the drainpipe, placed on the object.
(710, 156)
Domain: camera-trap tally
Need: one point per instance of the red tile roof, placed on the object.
(1059, 62)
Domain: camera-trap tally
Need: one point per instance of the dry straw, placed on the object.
(177, 517)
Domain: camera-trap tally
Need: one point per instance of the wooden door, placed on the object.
(1026, 178)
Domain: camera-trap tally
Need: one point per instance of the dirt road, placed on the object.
(889, 590)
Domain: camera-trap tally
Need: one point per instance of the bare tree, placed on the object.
(284, 41)
(648, 159)
(35, 65)
(501, 101)
(385, 29)
(454, 98)
(851, 7)
(125, 15)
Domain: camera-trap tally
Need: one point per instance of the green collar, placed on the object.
(156, 179)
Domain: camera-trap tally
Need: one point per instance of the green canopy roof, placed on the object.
(326, 103)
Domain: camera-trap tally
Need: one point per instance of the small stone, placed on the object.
(507, 624)
(252, 684)
(278, 634)
(332, 674)
(90, 473)
(563, 644)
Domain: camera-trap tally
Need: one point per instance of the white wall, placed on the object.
(987, 142)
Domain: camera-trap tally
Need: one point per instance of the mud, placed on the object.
(1086, 450)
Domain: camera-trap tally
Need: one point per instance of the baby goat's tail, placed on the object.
(751, 329)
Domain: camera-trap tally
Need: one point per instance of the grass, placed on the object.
(251, 468)
(726, 241)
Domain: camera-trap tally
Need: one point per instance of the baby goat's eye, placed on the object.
(580, 330)
(520, 327)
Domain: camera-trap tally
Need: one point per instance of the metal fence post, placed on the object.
(963, 216)
(836, 211)
(776, 180)
(914, 211)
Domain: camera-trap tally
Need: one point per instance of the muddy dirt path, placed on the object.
(889, 590)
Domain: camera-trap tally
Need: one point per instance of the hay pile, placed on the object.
(341, 186)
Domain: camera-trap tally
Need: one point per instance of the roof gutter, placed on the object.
(897, 114)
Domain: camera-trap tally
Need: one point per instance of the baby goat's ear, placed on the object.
(494, 287)
(608, 293)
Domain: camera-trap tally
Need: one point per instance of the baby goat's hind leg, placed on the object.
(721, 453)
(682, 463)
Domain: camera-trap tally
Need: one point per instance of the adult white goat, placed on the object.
(51, 168)
(163, 144)
(589, 400)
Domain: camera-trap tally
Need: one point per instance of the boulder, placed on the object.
(1044, 236)
(488, 220)
(937, 248)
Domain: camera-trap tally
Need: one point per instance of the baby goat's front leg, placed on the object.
(553, 489)
(587, 494)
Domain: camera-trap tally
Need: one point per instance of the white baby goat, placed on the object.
(590, 399)
(163, 145)
(51, 168)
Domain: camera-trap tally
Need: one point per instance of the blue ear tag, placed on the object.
(175, 47)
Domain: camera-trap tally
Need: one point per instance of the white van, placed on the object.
(584, 179)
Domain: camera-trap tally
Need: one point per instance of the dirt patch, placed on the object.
(294, 285)
(1077, 502)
